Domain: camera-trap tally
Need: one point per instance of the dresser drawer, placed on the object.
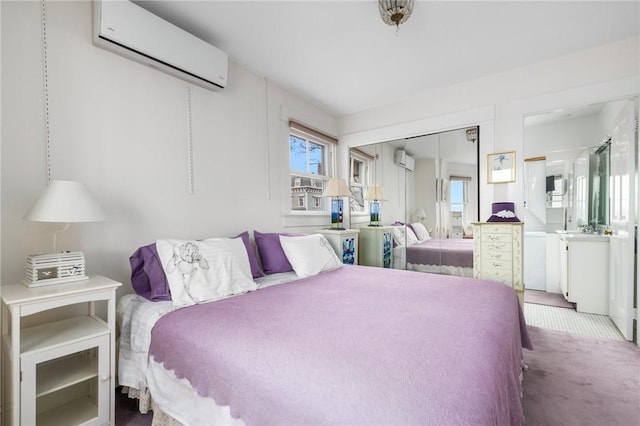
(488, 248)
(489, 264)
(500, 275)
(496, 238)
(496, 229)
(489, 254)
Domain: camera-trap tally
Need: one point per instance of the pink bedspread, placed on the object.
(355, 346)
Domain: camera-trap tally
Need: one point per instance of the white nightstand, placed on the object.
(376, 246)
(344, 242)
(60, 372)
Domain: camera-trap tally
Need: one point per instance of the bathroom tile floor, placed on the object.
(571, 321)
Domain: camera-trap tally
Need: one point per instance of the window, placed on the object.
(311, 164)
(459, 195)
(359, 179)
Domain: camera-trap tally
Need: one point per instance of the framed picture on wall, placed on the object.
(501, 167)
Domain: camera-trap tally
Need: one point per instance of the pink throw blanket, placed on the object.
(356, 345)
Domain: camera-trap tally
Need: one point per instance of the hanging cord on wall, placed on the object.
(266, 138)
(189, 141)
(47, 128)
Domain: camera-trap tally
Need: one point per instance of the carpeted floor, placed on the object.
(572, 380)
(577, 380)
(548, 299)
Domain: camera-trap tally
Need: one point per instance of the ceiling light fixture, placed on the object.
(395, 12)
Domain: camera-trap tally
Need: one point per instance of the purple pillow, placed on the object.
(253, 261)
(147, 275)
(271, 254)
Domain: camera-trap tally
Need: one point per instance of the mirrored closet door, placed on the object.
(427, 191)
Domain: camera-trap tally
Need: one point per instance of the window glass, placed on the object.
(310, 168)
(457, 196)
(358, 182)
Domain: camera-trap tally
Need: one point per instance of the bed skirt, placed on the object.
(146, 404)
(458, 271)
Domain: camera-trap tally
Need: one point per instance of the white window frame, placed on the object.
(354, 156)
(329, 162)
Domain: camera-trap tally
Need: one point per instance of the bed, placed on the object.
(449, 256)
(351, 345)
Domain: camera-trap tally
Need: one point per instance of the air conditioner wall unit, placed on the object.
(403, 160)
(131, 31)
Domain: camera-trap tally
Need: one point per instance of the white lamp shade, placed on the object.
(336, 188)
(419, 214)
(64, 202)
(375, 193)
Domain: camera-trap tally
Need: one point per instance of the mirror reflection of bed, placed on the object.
(431, 189)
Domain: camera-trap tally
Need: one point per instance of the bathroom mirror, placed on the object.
(566, 169)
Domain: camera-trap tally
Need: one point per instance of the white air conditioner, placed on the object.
(403, 160)
(131, 31)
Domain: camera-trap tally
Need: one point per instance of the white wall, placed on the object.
(580, 132)
(121, 128)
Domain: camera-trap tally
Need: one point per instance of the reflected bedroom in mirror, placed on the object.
(419, 195)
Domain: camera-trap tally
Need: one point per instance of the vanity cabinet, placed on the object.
(344, 242)
(584, 272)
(60, 372)
(497, 253)
(376, 246)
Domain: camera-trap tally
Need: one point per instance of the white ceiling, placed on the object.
(340, 56)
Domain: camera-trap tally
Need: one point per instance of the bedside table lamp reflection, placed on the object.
(336, 188)
(61, 202)
(375, 194)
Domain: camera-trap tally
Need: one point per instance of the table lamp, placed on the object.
(375, 194)
(419, 214)
(62, 202)
(336, 188)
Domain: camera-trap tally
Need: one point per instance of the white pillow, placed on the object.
(403, 235)
(411, 237)
(309, 254)
(201, 271)
(399, 234)
(421, 232)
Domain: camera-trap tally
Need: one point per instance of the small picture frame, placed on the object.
(501, 167)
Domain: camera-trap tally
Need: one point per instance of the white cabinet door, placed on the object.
(68, 384)
(621, 253)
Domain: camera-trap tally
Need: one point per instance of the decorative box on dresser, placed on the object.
(344, 242)
(376, 246)
(59, 372)
(497, 253)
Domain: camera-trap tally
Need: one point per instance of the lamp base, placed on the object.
(335, 229)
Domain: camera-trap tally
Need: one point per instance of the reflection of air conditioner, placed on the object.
(403, 160)
(129, 30)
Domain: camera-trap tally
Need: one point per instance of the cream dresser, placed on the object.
(497, 253)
